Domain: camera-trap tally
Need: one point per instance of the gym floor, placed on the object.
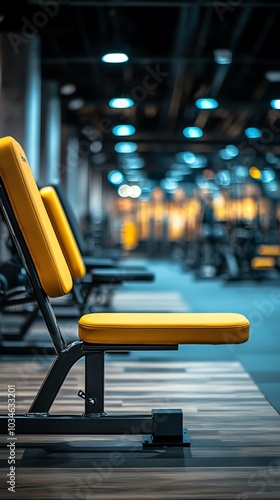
(230, 396)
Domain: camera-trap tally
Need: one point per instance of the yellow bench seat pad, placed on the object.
(263, 263)
(269, 250)
(164, 328)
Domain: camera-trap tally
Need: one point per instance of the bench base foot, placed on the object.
(149, 442)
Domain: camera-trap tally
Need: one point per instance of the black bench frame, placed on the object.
(160, 428)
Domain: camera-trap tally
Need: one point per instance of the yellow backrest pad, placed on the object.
(33, 219)
(63, 232)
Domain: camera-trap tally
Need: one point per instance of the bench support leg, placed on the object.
(167, 430)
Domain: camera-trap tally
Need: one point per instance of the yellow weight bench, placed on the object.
(49, 276)
(269, 250)
(263, 263)
(84, 282)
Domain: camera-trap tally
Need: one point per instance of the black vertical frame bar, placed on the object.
(94, 382)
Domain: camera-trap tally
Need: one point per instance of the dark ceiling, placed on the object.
(171, 49)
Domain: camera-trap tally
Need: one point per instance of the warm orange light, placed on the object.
(255, 173)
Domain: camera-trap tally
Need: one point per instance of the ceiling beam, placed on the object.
(239, 60)
(171, 4)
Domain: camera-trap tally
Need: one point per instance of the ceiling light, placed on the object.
(232, 151)
(121, 102)
(206, 103)
(123, 130)
(273, 76)
(241, 173)
(175, 175)
(124, 191)
(268, 175)
(131, 161)
(135, 191)
(200, 162)
(134, 176)
(96, 146)
(223, 178)
(202, 182)
(68, 89)
(145, 194)
(224, 155)
(168, 184)
(255, 173)
(115, 177)
(192, 132)
(229, 152)
(76, 104)
(222, 56)
(188, 158)
(115, 57)
(253, 133)
(275, 103)
(126, 147)
(272, 186)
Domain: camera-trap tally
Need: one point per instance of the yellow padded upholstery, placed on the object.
(165, 328)
(33, 219)
(262, 263)
(55, 277)
(269, 250)
(63, 232)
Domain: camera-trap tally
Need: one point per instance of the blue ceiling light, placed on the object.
(131, 162)
(229, 152)
(189, 157)
(123, 130)
(200, 162)
(115, 57)
(252, 133)
(185, 157)
(126, 147)
(268, 175)
(232, 150)
(223, 178)
(134, 176)
(121, 102)
(241, 173)
(223, 56)
(168, 184)
(146, 194)
(192, 132)
(275, 103)
(206, 103)
(115, 177)
(223, 154)
(174, 175)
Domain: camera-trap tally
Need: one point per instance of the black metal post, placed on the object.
(94, 382)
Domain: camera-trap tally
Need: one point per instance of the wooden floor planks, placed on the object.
(235, 433)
